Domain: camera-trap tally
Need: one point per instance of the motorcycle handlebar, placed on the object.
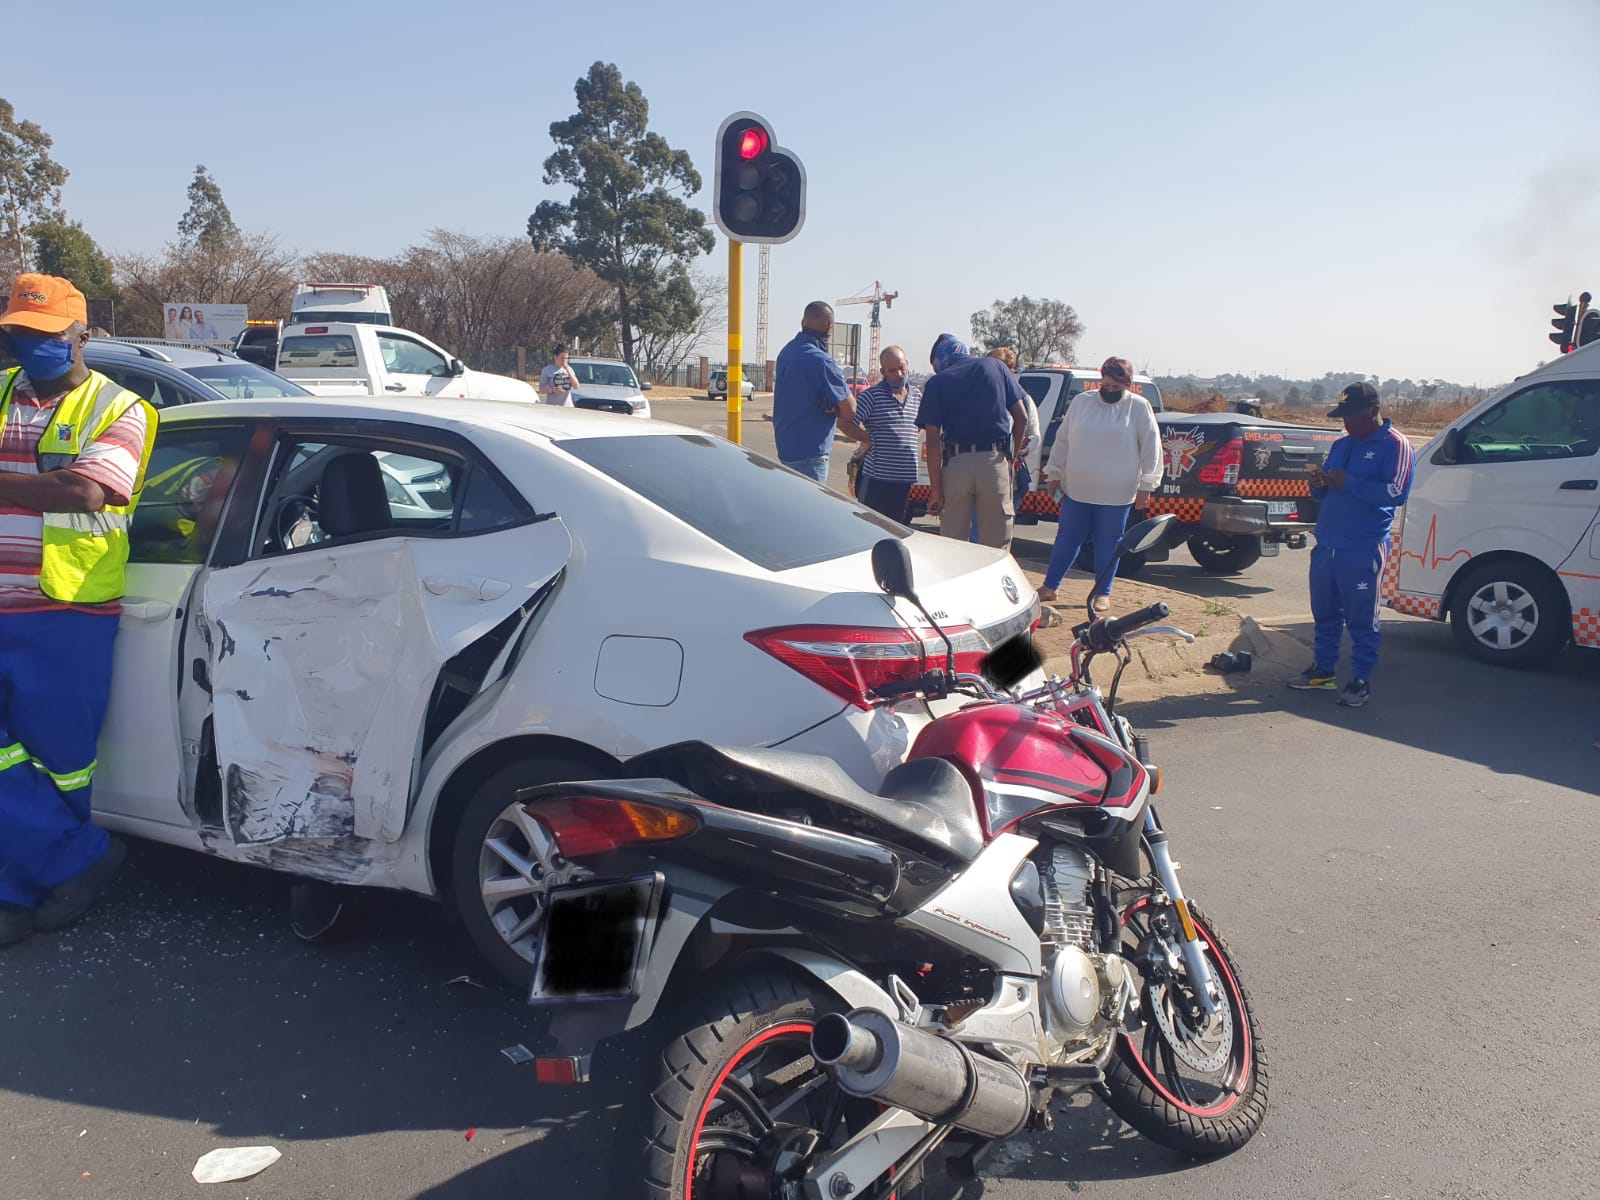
(934, 682)
(1103, 635)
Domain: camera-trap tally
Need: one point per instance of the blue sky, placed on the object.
(1394, 187)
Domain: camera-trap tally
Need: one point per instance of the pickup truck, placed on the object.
(1240, 485)
(345, 357)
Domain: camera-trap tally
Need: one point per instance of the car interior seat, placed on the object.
(351, 497)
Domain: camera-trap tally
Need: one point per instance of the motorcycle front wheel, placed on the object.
(1195, 1083)
(740, 1107)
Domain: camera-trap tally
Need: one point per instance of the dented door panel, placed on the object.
(323, 663)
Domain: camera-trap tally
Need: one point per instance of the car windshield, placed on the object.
(244, 381)
(763, 512)
(605, 374)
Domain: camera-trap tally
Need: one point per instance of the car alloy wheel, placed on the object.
(518, 866)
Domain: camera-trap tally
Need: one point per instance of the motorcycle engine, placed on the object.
(1076, 976)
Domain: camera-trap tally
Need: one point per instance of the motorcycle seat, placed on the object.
(926, 801)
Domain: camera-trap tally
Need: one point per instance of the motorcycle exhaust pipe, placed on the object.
(872, 1055)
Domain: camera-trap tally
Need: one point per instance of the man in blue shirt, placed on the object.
(972, 412)
(1366, 477)
(809, 396)
(886, 422)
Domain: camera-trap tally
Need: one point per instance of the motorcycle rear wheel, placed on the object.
(739, 1095)
(1218, 1103)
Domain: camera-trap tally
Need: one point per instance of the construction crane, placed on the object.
(877, 297)
(761, 314)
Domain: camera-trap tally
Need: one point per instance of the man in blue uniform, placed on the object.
(1365, 478)
(809, 396)
(973, 417)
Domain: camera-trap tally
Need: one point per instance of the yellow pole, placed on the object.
(735, 342)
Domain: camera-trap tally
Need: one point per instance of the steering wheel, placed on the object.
(294, 523)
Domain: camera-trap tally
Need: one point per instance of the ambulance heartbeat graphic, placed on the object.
(1430, 552)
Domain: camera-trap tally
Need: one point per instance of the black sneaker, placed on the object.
(16, 923)
(70, 900)
(1314, 679)
(1355, 694)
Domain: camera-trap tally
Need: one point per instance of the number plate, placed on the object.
(595, 936)
(1281, 508)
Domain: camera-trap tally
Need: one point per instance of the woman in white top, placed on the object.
(1106, 459)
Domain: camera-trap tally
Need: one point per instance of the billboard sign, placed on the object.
(186, 321)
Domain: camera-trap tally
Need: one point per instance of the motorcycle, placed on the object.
(829, 984)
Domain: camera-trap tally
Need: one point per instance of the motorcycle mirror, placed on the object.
(891, 567)
(1145, 534)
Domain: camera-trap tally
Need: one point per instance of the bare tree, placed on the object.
(249, 268)
(475, 294)
(663, 349)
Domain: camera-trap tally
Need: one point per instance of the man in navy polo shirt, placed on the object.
(809, 396)
(972, 412)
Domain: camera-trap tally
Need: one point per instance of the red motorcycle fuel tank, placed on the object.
(1018, 760)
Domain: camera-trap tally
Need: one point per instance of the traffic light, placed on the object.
(760, 188)
(1589, 328)
(1566, 317)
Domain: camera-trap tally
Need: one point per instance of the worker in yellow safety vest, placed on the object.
(74, 446)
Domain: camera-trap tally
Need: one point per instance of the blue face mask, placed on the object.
(43, 357)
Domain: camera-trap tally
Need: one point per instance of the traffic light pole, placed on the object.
(735, 342)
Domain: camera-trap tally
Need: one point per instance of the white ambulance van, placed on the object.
(1501, 533)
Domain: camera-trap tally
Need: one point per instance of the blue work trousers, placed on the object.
(1344, 593)
(1101, 524)
(55, 684)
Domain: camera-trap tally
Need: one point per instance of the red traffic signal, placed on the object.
(760, 189)
(753, 142)
(1566, 317)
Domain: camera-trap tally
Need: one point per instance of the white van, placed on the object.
(358, 303)
(1501, 533)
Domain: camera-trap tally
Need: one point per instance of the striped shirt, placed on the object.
(892, 426)
(111, 460)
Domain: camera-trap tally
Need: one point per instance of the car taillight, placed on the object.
(1223, 465)
(853, 663)
(589, 825)
(316, 329)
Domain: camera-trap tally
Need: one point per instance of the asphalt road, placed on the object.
(1393, 882)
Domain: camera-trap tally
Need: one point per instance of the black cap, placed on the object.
(1358, 397)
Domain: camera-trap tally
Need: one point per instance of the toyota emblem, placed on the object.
(1010, 586)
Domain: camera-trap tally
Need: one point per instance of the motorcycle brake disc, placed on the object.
(1193, 1046)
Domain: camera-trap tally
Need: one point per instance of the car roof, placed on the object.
(545, 420)
(1085, 371)
(177, 356)
(614, 362)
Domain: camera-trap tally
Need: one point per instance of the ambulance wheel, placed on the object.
(1511, 613)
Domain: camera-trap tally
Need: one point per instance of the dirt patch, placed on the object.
(1168, 666)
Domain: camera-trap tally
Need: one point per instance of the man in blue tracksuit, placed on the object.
(1365, 478)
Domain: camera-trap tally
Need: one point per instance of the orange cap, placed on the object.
(44, 303)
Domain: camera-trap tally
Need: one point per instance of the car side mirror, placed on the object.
(457, 367)
(1450, 448)
(891, 567)
(645, 387)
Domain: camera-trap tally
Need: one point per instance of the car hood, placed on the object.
(484, 386)
(601, 391)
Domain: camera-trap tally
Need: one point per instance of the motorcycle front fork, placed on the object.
(1155, 839)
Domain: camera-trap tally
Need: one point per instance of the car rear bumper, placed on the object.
(1250, 517)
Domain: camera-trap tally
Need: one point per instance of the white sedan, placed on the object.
(334, 667)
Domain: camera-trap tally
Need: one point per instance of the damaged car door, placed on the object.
(389, 573)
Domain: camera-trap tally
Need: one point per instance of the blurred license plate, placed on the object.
(1280, 508)
(595, 936)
